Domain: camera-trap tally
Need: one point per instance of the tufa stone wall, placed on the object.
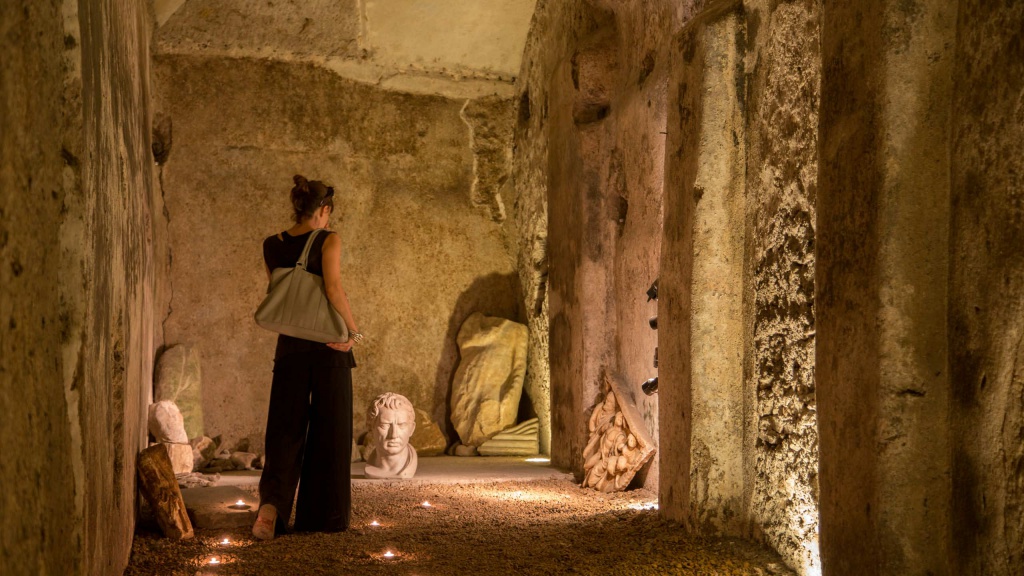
(588, 156)
(418, 208)
(549, 39)
(919, 289)
(784, 68)
(76, 281)
(36, 469)
(702, 330)
(986, 289)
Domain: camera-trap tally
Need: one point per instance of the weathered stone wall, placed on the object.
(551, 34)
(738, 276)
(986, 291)
(919, 288)
(588, 158)
(418, 209)
(784, 64)
(36, 468)
(701, 306)
(76, 281)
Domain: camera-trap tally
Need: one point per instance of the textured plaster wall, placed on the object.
(987, 289)
(784, 65)
(76, 368)
(418, 210)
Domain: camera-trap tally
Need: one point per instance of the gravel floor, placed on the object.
(539, 527)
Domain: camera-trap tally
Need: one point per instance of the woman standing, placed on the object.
(309, 423)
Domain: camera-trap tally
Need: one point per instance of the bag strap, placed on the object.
(305, 251)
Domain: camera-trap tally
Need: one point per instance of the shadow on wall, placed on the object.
(491, 295)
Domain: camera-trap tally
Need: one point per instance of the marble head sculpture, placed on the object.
(391, 420)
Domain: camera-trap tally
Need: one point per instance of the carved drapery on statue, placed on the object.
(619, 443)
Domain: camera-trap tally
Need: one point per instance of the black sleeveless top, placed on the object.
(284, 252)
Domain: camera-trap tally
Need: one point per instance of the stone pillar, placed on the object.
(700, 308)
(581, 298)
(986, 291)
(882, 266)
(783, 94)
(40, 522)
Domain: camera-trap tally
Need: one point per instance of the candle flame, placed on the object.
(389, 554)
(225, 541)
(240, 503)
(214, 561)
(426, 504)
(374, 523)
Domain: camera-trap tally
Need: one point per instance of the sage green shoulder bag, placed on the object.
(297, 305)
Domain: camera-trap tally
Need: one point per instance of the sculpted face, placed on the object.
(392, 430)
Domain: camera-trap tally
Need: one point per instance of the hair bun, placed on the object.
(301, 183)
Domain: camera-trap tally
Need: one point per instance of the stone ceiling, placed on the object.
(457, 48)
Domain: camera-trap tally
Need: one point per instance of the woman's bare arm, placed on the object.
(332, 281)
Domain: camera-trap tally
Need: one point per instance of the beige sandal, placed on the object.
(265, 522)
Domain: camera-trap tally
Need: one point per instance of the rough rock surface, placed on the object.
(782, 182)
(179, 379)
(244, 460)
(76, 342)
(166, 423)
(203, 450)
(464, 450)
(428, 439)
(160, 488)
(181, 456)
(488, 383)
(168, 428)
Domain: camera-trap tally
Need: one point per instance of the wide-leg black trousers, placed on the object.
(309, 436)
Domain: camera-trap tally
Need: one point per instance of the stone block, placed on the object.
(178, 378)
(428, 439)
(166, 423)
(211, 507)
(160, 489)
(203, 450)
(244, 460)
(488, 383)
(180, 456)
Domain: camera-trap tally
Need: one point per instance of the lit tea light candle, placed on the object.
(426, 504)
(214, 561)
(240, 505)
(389, 554)
(374, 523)
(225, 542)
